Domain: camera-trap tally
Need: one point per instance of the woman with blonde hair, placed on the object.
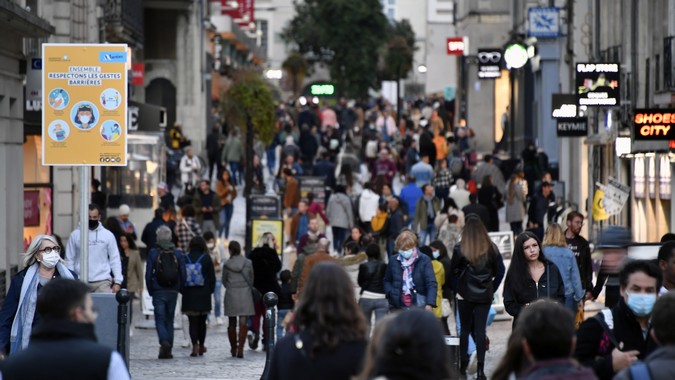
(410, 280)
(42, 262)
(516, 192)
(555, 249)
(477, 264)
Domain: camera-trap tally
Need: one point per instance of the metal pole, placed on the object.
(248, 181)
(85, 183)
(270, 300)
(122, 298)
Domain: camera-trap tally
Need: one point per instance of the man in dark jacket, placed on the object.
(325, 168)
(63, 344)
(581, 249)
(661, 363)
(214, 146)
(477, 209)
(149, 235)
(614, 339)
(548, 341)
(164, 298)
(396, 223)
(539, 207)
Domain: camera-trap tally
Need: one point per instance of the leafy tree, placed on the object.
(397, 53)
(249, 95)
(346, 35)
(296, 67)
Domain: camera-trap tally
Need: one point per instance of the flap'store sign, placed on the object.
(654, 124)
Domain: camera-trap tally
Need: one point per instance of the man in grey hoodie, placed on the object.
(104, 257)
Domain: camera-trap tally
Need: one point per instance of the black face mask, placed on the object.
(93, 224)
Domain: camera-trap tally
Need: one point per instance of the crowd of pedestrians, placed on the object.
(407, 259)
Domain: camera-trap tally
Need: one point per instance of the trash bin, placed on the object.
(452, 351)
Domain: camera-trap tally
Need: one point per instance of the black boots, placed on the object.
(462, 369)
(480, 373)
(232, 335)
(165, 350)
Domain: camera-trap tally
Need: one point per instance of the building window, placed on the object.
(389, 9)
(657, 73)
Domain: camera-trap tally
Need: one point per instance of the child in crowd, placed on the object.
(286, 303)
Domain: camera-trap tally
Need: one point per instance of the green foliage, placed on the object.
(398, 54)
(250, 95)
(344, 34)
(296, 67)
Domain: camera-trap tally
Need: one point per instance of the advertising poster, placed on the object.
(84, 97)
(260, 226)
(598, 84)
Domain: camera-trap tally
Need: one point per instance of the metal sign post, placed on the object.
(84, 223)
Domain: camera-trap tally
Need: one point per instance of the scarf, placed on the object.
(25, 312)
(407, 265)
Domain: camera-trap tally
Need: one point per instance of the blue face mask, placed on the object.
(407, 254)
(641, 304)
(435, 254)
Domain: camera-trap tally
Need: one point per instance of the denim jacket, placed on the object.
(564, 259)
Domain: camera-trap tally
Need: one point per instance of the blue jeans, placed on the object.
(281, 314)
(571, 304)
(164, 302)
(380, 307)
(225, 218)
(339, 236)
(236, 174)
(271, 158)
(390, 247)
(217, 296)
(430, 232)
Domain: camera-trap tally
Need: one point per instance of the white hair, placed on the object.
(34, 248)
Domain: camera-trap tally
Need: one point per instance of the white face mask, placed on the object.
(211, 245)
(49, 260)
(84, 119)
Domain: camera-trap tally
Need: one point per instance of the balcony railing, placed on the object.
(124, 21)
(669, 62)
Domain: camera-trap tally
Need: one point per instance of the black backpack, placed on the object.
(167, 269)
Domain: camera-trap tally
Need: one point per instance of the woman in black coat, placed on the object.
(196, 303)
(266, 265)
(490, 197)
(531, 276)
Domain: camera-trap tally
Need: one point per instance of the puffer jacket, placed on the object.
(423, 279)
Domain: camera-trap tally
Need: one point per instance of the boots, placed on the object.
(195, 350)
(165, 350)
(462, 369)
(242, 341)
(202, 349)
(480, 373)
(232, 335)
(253, 341)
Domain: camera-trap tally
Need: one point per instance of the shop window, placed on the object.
(33, 170)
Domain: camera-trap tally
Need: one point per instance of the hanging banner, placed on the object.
(616, 196)
(84, 93)
(599, 213)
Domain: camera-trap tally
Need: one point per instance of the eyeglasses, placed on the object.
(56, 249)
(490, 56)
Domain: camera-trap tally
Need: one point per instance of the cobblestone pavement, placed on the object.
(215, 364)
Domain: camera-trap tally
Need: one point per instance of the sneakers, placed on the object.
(186, 344)
(473, 363)
(219, 321)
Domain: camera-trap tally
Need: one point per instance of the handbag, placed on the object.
(255, 293)
(579, 318)
(446, 310)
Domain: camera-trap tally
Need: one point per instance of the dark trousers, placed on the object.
(473, 318)
(197, 328)
(255, 320)
(517, 228)
(339, 236)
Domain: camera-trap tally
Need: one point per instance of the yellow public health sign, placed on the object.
(84, 97)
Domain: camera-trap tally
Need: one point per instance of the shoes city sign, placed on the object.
(598, 84)
(654, 124)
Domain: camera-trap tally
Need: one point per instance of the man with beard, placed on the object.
(582, 251)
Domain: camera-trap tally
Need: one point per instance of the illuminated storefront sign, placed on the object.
(564, 106)
(489, 63)
(598, 84)
(455, 46)
(322, 89)
(654, 124)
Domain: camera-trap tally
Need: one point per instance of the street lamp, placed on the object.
(422, 69)
(515, 57)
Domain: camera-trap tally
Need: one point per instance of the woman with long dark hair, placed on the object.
(329, 342)
(476, 262)
(196, 303)
(490, 197)
(531, 276)
(227, 192)
(266, 265)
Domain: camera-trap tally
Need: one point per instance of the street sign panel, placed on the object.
(84, 97)
(490, 63)
(564, 106)
(544, 22)
(598, 84)
(576, 127)
(455, 46)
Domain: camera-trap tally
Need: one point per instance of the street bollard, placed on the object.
(270, 300)
(122, 298)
